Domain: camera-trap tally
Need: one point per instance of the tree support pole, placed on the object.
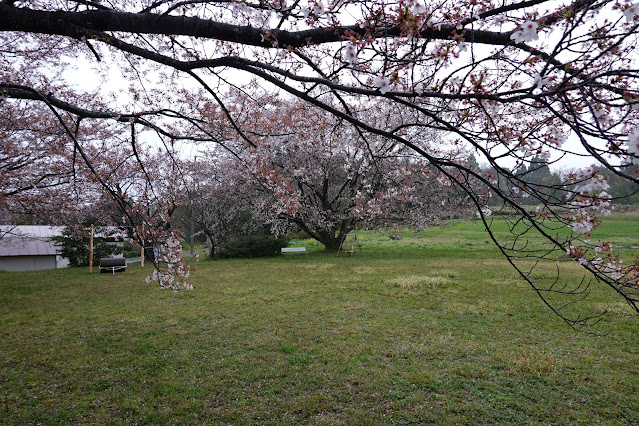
(91, 251)
(142, 249)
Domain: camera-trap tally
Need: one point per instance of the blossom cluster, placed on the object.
(419, 7)
(633, 146)
(631, 12)
(485, 212)
(588, 200)
(314, 8)
(612, 266)
(527, 32)
(351, 54)
(382, 83)
(177, 271)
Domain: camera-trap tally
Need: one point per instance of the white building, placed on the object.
(29, 248)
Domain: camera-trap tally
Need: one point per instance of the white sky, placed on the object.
(86, 77)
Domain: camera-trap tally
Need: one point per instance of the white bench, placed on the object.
(293, 250)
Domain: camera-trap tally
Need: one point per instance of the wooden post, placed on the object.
(142, 250)
(91, 251)
(353, 245)
(192, 241)
(341, 243)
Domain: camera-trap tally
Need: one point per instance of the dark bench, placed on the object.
(112, 264)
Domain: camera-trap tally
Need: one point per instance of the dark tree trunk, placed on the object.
(327, 236)
(330, 241)
(331, 244)
(149, 250)
(211, 245)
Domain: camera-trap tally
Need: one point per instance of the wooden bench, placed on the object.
(293, 250)
(112, 264)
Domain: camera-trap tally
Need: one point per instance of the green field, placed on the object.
(433, 328)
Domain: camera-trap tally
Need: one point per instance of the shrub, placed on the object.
(252, 246)
(298, 235)
(131, 250)
(77, 250)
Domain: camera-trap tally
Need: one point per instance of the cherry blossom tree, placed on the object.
(316, 173)
(36, 164)
(45, 178)
(511, 81)
(150, 187)
(220, 201)
(96, 177)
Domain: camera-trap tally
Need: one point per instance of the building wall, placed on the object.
(27, 263)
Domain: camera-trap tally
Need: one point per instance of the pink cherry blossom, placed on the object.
(383, 83)
(631, 12)
(419, 7)
(527, 32)
(350, 55)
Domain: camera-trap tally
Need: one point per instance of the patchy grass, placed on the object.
(419, 281)
(422, 330)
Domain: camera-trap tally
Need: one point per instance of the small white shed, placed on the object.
(29, 248)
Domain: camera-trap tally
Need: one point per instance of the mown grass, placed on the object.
(434, 328)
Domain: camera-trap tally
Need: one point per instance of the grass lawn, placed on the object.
(433, 328)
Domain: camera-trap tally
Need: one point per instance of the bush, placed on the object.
(252, 246)
(131, 250)
(298, 235)
(77, 251)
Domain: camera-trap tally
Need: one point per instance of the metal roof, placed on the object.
(25, 240)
